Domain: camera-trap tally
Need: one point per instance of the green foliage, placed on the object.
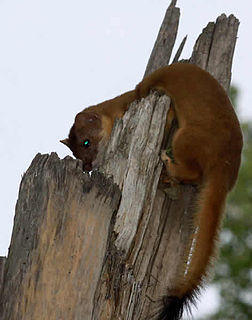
(233, 272)
(234, 94)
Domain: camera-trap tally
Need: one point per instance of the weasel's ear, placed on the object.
(66, 142)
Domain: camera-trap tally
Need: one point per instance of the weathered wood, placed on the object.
(93, 247)
(59, 241)
(134, 147)
(179, 51)
(162, 50)
(137, 153)
(214, 48)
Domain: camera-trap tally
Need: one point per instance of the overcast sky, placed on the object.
(59, 56)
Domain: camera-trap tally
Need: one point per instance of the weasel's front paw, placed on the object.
(167, 161)
(167, 154)
(167, 158)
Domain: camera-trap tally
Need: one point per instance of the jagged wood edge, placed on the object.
(162, 50)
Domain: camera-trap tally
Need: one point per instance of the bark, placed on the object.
(108, 245)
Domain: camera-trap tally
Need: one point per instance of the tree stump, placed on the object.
(107, 245)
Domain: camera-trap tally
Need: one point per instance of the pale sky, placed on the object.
(59, 56)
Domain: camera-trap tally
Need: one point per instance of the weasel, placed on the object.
(206, 150)
(94, 124)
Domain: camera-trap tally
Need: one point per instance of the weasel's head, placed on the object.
(84, 138)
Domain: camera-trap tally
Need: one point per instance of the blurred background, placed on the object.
(59, 56)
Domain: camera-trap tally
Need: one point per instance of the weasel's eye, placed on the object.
(85, 143)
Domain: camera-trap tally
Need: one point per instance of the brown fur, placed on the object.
(96, 123)
(206, 149)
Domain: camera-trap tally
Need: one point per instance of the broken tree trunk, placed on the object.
(107, 245)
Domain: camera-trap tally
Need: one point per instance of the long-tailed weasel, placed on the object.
(206, 150)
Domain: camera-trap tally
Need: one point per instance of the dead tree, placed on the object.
(107, 245)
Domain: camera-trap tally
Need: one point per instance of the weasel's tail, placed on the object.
(207, 222)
